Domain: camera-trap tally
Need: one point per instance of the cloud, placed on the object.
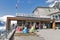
(4, 18)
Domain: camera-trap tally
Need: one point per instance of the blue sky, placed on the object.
(8, 7)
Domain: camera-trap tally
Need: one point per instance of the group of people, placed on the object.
(36, 26)
(29, 28)
(25, 29)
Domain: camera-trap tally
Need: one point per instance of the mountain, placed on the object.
(53, 4)
(3, 22)
(2, 26)
(4, 18)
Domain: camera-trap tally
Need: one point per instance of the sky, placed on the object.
(8, 7)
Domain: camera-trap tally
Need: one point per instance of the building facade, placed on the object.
(41, 15)
(56, 16)
(44, 11)
(49, 12)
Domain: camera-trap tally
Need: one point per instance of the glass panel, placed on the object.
(59, 16)
(20, 23)
(56, 16)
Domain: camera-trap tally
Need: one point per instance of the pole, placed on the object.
(17, 2)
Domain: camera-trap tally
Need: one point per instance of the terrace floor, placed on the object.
(49, 34)
(42, 34)
(30, 36)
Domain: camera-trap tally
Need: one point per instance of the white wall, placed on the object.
(45, 11)
(56, 19)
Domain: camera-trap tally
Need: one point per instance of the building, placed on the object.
(51, 12)
(56, 17)
(48, 16)
(44, 11)
(40, 16)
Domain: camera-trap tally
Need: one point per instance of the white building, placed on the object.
(44, 11)
(48, 12)
(56, 16)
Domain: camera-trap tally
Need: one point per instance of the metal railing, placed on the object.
(32, 15)
(4, 35)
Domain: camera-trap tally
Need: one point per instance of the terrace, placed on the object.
(12, 34)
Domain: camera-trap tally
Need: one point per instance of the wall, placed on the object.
(45, 11)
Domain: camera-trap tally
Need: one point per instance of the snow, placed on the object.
(53, 4)
(3, 19)
(2, 28)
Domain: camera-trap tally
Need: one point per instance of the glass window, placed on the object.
(59, 15)
(20, 23)
(56, 16)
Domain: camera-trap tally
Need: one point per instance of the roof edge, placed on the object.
(41, 7)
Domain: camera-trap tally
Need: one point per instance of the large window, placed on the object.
(20, 22)
(59, 16)
(56, 17)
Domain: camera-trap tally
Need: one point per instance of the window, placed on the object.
(20, 22)
(59, 16)
(56, 16)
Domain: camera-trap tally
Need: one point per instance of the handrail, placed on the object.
(10, 35)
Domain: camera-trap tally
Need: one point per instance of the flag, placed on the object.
(17, 2)
(16, 6)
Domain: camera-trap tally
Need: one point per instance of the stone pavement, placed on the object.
(44, 34)
(49, 34)
(28, 38)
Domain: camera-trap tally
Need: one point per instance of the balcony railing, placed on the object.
(32, 15)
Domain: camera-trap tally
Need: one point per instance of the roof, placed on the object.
(41, 7)
(28, 18)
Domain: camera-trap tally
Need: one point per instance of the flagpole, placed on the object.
(16, 7)
(17, 1)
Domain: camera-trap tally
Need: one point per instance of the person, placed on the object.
(13, 25)
(36, 27)
(25, 30)
(23, 26)
(39, 25)
(30, 26)
(19, 29)
(32, 29)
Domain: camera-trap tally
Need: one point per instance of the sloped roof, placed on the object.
(41, 7)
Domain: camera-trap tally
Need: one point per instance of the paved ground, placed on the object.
(44, 34)
(28, 38)
(49, 34)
